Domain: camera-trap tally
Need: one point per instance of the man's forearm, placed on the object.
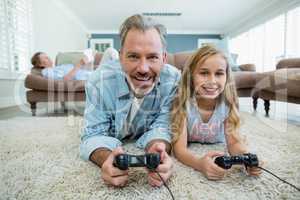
(99, 156)
(72, 73)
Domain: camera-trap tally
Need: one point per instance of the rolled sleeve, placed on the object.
(160, 128)
(154, 134)
(91, 144)
(97, 131)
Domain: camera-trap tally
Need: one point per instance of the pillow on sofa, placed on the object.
(234, 67)
(74, 57)
(68, 57)
(224, 46)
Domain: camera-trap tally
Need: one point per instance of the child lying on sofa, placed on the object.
(43, 65)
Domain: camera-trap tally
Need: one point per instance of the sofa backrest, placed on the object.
(178, 60)
(74, 57)
(181, 58)
(288, 63)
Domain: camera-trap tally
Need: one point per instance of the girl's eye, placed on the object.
(220, 73)
(153, 57)
(203, 73)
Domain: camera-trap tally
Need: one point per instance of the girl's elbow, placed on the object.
(177, 153)
(66, 78)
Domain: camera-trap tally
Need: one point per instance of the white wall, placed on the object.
(12, 92)
(55, 29)
(261, 15)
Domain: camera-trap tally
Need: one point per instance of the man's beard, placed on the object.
(140, 92)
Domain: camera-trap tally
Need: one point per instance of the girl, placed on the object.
(205, 110)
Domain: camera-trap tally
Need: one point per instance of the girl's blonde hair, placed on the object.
(186, 91)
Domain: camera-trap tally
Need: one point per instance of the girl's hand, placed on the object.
(255, 171)
(209, 168)
(165, 168)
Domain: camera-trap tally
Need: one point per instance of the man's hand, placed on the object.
(209, 168)
(111, 174)
(165, 168)
(84, 61)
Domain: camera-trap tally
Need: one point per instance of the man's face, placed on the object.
(45, 61)
(142, 57)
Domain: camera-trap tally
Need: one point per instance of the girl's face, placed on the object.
(209, 78)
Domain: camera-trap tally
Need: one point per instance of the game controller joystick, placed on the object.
(248, 159)
(149, 160)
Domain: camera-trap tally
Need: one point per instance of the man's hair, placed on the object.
(142, 23)
(35, 60)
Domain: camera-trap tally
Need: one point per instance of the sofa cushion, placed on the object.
(37, 82)
(180, 59)
(170, 59)
(247, 67)
(42, 96)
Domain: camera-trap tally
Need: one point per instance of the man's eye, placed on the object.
(153, 58)
(132, 56)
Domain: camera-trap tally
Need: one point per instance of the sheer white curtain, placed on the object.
(273, 43)
(293, 33)
(262, 45)
(4, 42)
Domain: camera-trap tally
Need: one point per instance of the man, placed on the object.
(43, 65)
(131, 99)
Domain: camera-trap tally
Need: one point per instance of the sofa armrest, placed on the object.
(288, 63)
(247, 67)
(36, 82)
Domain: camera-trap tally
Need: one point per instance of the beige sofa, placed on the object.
(45, 90)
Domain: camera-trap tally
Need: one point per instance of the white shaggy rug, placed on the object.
(39, 159)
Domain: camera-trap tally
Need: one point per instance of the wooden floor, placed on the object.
(278, 110)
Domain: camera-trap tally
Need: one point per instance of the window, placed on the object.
(293, 33)
(15, 35)
(262, 45)
(270, 42)
(101, 45)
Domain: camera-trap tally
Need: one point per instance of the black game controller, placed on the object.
(149, 160)
(248, 159)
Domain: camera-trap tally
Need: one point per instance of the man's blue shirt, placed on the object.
(58, 72)
(108, 102)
